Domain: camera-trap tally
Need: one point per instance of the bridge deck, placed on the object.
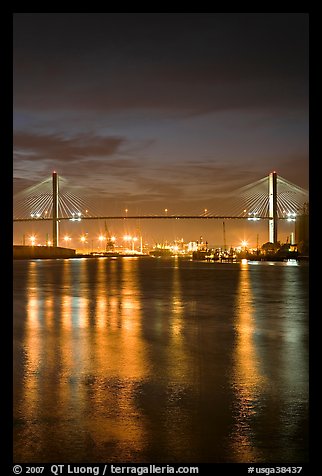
(150, 217)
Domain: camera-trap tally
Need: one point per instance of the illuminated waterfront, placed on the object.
(149, 360)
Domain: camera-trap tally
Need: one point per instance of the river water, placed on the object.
(160, 361)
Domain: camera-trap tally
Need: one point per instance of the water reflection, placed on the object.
(139, 360)
(271, 364)
(84, 359)
(248, 380)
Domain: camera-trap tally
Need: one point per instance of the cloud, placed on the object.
(60, 149)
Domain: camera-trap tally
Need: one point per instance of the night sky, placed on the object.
(155, 110)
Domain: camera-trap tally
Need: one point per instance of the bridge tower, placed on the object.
(55, 209)
(272, 207)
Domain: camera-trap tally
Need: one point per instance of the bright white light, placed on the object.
(67, 238)
(101, 238)
(79, 214)
(135, 238)
(113, 238)
(32, 215)
(83, 238)
(244, 261)
(127, 237)
(244, 243)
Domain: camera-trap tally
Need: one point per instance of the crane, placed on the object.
(109, 241)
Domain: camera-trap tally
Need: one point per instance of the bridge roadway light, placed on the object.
(291, 216)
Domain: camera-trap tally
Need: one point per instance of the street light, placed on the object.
(67, 239)
(101, 238)
(33, 240)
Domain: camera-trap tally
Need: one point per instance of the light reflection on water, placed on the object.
(144, 360)
(248, 380)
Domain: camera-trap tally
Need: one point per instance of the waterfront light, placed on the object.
(67, 238)
(83, 238)
(101, 238)
(127, 237)
(32, 240)
(244, 244)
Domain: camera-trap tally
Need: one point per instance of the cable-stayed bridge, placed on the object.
(271, 198)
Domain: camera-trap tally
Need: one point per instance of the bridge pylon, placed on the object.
(272, 207)
(55, 209)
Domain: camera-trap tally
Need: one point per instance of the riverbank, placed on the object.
(42, 252)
